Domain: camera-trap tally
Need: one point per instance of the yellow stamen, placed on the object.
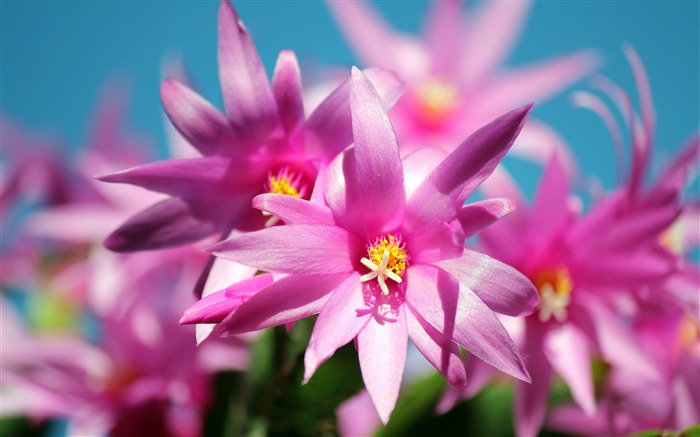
(387, 259)
(436, 100)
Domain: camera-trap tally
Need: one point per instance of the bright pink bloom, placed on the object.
(262, 144)
(454, 75)
(379, 254)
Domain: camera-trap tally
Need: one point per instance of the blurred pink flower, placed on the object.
(455, 79)
(379, 254)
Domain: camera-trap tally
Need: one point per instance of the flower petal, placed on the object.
(287, 300)
(479, 215)
(172, 222)
(382, 351)
(196, 177)
(296, 249)
(329, 127)
(569, 353)
(292, 210)
(550, 207)
(501, 287)
(197, 120)
(286, 87)
(250, 104)
(531, 399)
(375, 42)
(491, 36)
(456, 311)
(216, 306)
(338, 323)
(437, 348)
(436, 242)
(418, 164)
(377, 162)
(446, 188)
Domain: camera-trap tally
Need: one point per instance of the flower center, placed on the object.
(436, 100)
(286, 181)
(673, 238)
(554, 287)
(386, 258)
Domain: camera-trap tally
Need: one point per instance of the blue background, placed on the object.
(57, 56)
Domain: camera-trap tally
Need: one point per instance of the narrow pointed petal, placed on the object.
(289, 299)
(677, 175)
(569, 353)
(445, 34)
(216, 306)
(639, 230)
(625, 270)
(479, 215)
(436, 242)
(339, 322)
(375, 42)
(377, 162)
(286, 87)
(382, 350)
(491, 37)
(418, 164)
(197, 120)
(550, 207)
(292, 210)
(296, 249)
(501, 287)
(341, 195)
(357, 416)
(538, 81)
(437, 348)
(196, 177)
(644, 91)
(329, 127)
(172, 222)
(446, 188)
(456, 311)
(531, 399)
(250, 104)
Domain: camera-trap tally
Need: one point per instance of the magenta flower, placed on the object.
(262, 144)
(454, 76)
(383, 259)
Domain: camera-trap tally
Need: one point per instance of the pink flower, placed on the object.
(262, 144)
(378, 253)
(454, 75)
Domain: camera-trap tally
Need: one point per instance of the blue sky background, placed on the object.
(57, 56)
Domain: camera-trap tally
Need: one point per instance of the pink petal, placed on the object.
(437, 348)
(448, 186)
(329, 127)
(418, 164)
(501, 184)
(501, 287)
(250, 104)
(375, 42)
(569, 353)
(445, 34)
(293, 210)
(196, 177)
(296, 249)
(341, 196)
(197, 120)
(538, 142)
(436, 242)
(644, 91)
(623, 270)
(340, 320)
(357, 416)
(289, 299)
(457, 312)
(479, 215)
(215, 307)
(676, 177)
(172, 222)
(537, 81)
(382, 352)
(531, 399)
(286, 87)
(550, 207)
(378, 166)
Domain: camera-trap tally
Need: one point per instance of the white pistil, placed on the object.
(272, 220)
(553, 304)
(380, 272)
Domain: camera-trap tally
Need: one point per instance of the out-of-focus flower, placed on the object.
(454, 75)
(379, 255)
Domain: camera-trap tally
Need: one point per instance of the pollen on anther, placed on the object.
(386, 258)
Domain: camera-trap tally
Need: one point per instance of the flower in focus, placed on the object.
(380, 256)
(454, 78)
